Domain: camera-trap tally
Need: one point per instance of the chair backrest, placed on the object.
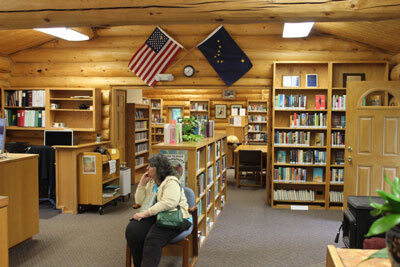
(190, 197)
(250, 157)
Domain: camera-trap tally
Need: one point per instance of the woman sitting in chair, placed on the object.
(158, 190)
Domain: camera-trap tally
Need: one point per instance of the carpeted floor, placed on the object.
(247, 233)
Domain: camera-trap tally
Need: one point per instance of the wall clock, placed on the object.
(188, 70)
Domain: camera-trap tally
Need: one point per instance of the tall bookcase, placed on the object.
(157, 120)
(137, 138)
(309, 130)
(200, 109)
(258, 124)
(205, 168)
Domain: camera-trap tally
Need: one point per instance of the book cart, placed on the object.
(205, 169)
(309, 120)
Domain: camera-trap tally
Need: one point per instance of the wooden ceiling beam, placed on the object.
(23, 14)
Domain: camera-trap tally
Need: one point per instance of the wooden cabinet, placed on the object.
(137, 138)
(309, 116)
(99, 177)
(205, 172)
(45, 108)
(78, 108)
(200, 109)
(258, 124)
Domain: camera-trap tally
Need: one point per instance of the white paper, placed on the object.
(234, 112)
(242, 112)
(113, 165)
(287, 81)
(237, 121)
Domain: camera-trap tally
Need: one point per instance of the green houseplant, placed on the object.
(189, 126)
(390, 220)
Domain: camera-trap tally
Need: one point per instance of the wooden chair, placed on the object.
(183, 239)
(250, 168)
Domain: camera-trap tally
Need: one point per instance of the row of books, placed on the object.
(141, 147)
(217, 149)
(337, 138)
(199, 209)
(283, 101)
(337, 175)
(257, 107)
(141, 136)
(198, 106)
(339, 157)
(294, 195)
(257, 118)
(300, 156)
(339, 102)
(173, 132)
(200, 117)
(336, 196)
(210, 175)
(201, 184)
(156, 118)
(316, 120)
(155, 105)
(256, 127)
(287, 174)
(262, 137)
(25, 98)
(338, 121)
(139, 161)
(293, 138)
(25, 118)
(140, 125)
(139, 114)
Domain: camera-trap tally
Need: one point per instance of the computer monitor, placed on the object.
(2, 135)
(58, 137)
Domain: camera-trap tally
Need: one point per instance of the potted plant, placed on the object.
(390, 220)
(189, 129)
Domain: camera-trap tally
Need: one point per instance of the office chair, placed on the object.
(183, 239)
(250, 168)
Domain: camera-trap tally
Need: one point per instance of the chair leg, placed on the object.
(128, 257)
(185, 258)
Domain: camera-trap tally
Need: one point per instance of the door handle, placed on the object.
(349, 148)
(349, 158)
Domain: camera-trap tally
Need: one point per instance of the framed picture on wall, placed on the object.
(228, 94)
(311, 80)
(347, 77)
(220, 111)
(235, 109)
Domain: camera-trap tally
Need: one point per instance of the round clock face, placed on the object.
(188, 71)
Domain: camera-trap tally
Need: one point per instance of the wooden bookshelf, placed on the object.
(205, 169)
(200, 109)
(309, 131)
(157, 120)
(257, 112)
(95, 180)
(138, 137)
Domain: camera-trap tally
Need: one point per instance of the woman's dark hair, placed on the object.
(162, 164)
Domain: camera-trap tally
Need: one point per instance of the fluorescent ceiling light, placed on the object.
(297, 30)
(64, 33)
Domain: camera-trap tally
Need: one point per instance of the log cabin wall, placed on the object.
(5, 69)
(102, 61)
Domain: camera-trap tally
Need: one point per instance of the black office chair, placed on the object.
(250, 168)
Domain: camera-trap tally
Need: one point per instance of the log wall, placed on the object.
(5, 70)
(102, 61)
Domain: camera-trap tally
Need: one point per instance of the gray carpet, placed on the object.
(247, 233)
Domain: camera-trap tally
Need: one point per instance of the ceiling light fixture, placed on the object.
(297, 30)
(64, 33)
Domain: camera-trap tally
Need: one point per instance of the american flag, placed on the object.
(154, 56)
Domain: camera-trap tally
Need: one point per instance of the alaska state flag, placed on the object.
(225, 56)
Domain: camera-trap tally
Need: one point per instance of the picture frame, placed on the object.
(291, 81)
(352, 77)
(220, 111)
(236, 107)
(89, 164)
(228, 94)
(312, 80)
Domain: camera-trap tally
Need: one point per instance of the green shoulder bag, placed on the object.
(171, 219)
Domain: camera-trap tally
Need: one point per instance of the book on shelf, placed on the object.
(339, 157)
(318, 174)
(320, 101)
(281, 156)
(319, 139)
(338, 121)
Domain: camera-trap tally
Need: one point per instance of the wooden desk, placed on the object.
(346, 257)
(19, 181)
(67, 174)
(3, 231)
(264, 151)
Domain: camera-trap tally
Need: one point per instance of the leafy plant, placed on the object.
(390, 209)
(189, 126)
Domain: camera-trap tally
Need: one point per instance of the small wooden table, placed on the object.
(346, 257)
(264, 151)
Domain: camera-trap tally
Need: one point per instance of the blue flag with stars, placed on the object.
(225, 56)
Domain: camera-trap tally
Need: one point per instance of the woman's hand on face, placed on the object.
(145, 178)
